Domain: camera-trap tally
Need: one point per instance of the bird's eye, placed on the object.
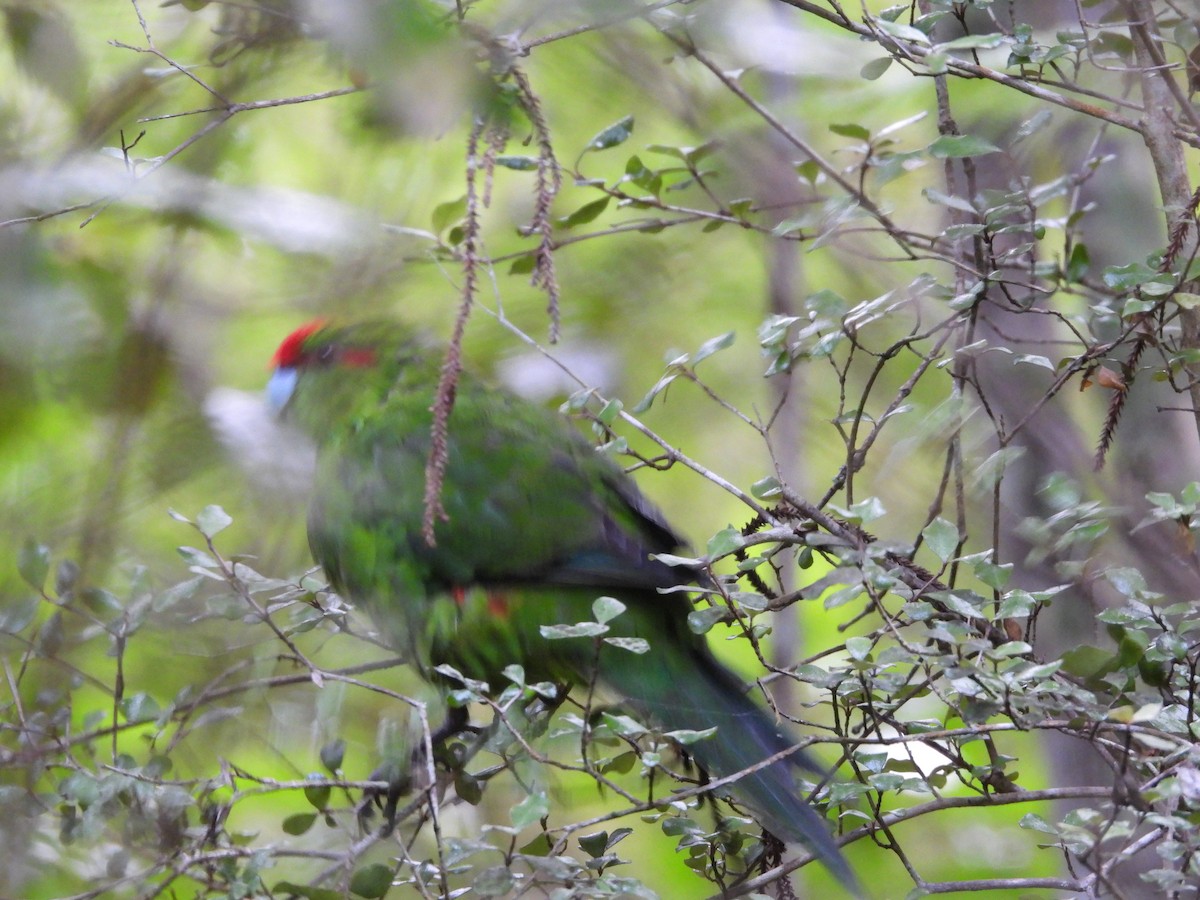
(326, 353)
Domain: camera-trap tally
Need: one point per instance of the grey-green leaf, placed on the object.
(616, 133)
(33, 563)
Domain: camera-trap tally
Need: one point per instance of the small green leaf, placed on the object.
(974, 42)
(867, 510)
(851, 130)
(17, 616)
(607, 608)
(967, 604)
(991, 470)
(901, 31)
(725, 541)
(33, 564)
(468, 787)
(494, 881)
(701, 621)
(858, 648)
(177, 593)
(1078, 264)
(665, 150)
(195, 557)
(843, 596)
(332, 754)
(632, 644)
(609, 413)
(623, 725)
(1017, 604)
(614, 134)
(1127, 581)
(522, 265)
(875, 68)
(445, 214)
(372, 882)
(532, 809)
(586, 213)
(1128, 277)
(212, 521)
(140, 707)
(668, 559)
(709, 347)
(942, 538)
(766, 488)
(958, 146)
(1135, 306)
(994, 576)
(751, 600)
(1034, 822)
(65, 577)
(299, 823)
(1033, 359)
(594, 845)
(583, 629)
(520, 163)
(687, 736)
(317, 794)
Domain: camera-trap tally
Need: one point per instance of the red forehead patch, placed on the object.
(291, 351)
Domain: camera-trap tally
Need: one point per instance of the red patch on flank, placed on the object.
(291, 351)
(497, 604)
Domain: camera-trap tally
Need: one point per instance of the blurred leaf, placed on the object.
(299, 823)
(614, 134)
(632, 644)
(875, 68)
(372, 882)
(140, 707)
(606, 609)
(332, 755)
(766, 488)
(586, 213)
(713, 345)
(448, 213)
(956, 146)
(701, 621)
(519, 163)
(33, 564)
(494, 881)
(942, 538)
(318, 794)
(851, 130)
(178, 593)
(724, 542)
(212, 520)
(43, 43)
(532, 809)
(582, 629)
(1079, 263)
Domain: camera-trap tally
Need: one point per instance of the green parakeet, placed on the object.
(539, 524)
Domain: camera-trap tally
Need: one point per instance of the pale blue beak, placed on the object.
(280, 387)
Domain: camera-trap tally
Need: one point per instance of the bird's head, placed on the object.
(324, 371)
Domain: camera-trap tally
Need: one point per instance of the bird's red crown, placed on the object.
(291, 351)
(295, 352)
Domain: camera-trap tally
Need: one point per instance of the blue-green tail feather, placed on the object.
(684, 687)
